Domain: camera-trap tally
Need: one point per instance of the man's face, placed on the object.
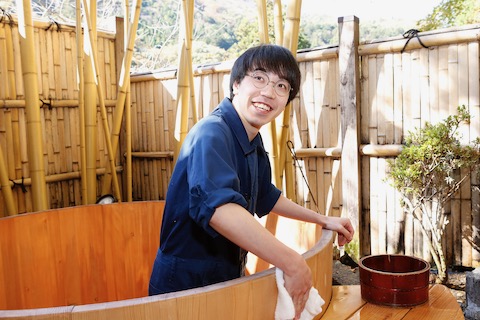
(257, 107)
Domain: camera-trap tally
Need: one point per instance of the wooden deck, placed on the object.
(347, 303)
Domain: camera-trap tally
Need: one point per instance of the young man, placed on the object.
(223, 177)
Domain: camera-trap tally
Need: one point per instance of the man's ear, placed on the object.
(235, 88)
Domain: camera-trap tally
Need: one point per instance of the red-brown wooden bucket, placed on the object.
(394, 280)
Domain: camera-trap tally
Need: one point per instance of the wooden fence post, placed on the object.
(349, 70)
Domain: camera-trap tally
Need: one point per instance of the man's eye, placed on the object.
(259, 78)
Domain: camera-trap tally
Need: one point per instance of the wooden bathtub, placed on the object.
(94, 262)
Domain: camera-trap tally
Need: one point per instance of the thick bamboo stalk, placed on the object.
(34, 128)
(123, 88)
(190, 66)
(278, 21)
(290, 41)
(262, 21)
(128, 133)
(11, 91)
(271, 132)
(103, 112)
(91, 144)
(81, 101)
(6, 189)
(183, 85)
(128, 116)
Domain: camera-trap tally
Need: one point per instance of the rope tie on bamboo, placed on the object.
(291, 147)
(7, 15)
(21, 185)
(53, 22)
(410, 34)
(48, 104)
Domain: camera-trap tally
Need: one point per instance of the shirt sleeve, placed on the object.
(268, 193)
(212, 177)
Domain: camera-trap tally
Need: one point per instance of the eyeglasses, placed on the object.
(261, 80)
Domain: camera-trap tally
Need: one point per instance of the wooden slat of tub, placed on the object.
(78, 255)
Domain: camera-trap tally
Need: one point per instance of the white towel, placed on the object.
(285, 309)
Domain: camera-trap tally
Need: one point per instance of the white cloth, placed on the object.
(285, 310)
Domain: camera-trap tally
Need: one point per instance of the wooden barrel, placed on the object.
(95, 261)
(394, 279)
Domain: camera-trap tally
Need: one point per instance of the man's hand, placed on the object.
(342, 226)
(298, 285)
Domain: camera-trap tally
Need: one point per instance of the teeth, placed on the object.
(262, 106)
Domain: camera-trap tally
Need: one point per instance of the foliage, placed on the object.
(427, 175)
(450, 13)
(223, 29)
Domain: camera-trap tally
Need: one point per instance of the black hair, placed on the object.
(269, 58)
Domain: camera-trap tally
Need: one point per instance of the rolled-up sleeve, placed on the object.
(212, 175)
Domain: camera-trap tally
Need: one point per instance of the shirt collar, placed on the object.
(235, 123)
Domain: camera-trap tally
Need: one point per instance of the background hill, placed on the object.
(223, 29)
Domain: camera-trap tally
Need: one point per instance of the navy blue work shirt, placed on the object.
(217, 164)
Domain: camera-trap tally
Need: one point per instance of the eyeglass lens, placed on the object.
(261, 80)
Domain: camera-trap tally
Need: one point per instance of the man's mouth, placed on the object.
(262, 106)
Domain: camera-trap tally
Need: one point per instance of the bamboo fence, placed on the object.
(397, 92)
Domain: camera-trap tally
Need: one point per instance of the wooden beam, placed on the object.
(349, 70)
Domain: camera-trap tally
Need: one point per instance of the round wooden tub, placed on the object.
(92, 262)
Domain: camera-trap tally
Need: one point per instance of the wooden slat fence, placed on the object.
(58, 100)
(399, 92)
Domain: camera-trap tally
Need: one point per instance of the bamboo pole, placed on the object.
(190, 66)
(278, 21)
(318, 152)
(124, 82)
(57, 103)
(128, 119)
(290, 41)
(103, 112)
(6, 189)
(34, 129)
(81, 101)
(153, 154)
(183, 85)
(91, 145)
(271, 131)
(262, 21)
(59, 177)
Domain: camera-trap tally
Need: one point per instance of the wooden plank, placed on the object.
(440, 305)
(377, 312)
(349, 99)
(415, 94)
(424, 83)
(434, 81)
(346, 300)
(474, 108)
(383, 219)
(381, 103)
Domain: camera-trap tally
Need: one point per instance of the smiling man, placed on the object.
(223, 177)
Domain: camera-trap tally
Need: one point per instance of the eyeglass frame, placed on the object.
(259, 85)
